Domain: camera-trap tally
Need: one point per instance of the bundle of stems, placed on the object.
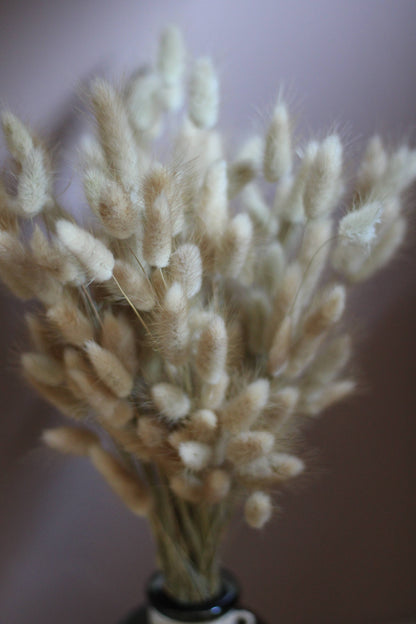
(197, 323)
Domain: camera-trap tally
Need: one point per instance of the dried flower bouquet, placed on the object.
(198, 325)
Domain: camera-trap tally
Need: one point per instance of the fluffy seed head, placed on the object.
(73, 325)
(249, 445)
(171, 55)
(286, 465)
(91, 253)
(324, 178)
(384, 250)
(186, 268)
(213, 200)
(258, 509)
(203, 94)
(77, 441)
(151, 431)
(373, 166)
(278, 149)
(359, 226)
(217, 485)
(33, 185)
(18, 139)
(118, 336)
(282, 405)
(170, 401)
(328, 311)
(202, 425)
(132, 282)
(212, 395)
(242, 411)
(109, 369)
(187, 486)
(257, 208)
(331, 394)
(195, 455)
(235, 245)
(157, 232)
(115, 132)
(211, 353)
(119, 215)
(43, 368)
(172, 325)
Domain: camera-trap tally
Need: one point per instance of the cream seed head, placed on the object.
(188, 487)
(203, 94)
(171, 325)
(170, 401)
(211, 350)
(213, 395)
(322, 185)
(258, 209)
(151, 431)
(122, 415)
(328, 310)
(277, 161)
(88, 250)
(271, 267)
(91, 154)
(331, 360)
(246, 446)
(242, 171)
(74, 440)
(359, 226)
(213, 200)
(186, 268)
(171, 55)
(400, 172)
(133, 284)
(115, 133)
(195, 455)
(119, 337)
(18, 138)
(157, 232)
(242, 411)
(258, 509)
(202, 425)
(276, 468)
(373, 166)
(331, 393)
(383, 251)
(283, 404)
(119, 214)
(86, 388)
(144, 107)
(109, 369)
(43, 368)
(291, 207)
(33, 187)
(235, 246)
(72, 324)
(286, 465)
(217, 485)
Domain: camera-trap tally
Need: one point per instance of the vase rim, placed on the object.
(205, 611)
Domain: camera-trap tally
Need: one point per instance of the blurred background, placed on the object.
(343, 549)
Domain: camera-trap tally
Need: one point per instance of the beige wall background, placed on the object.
(344, 548)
